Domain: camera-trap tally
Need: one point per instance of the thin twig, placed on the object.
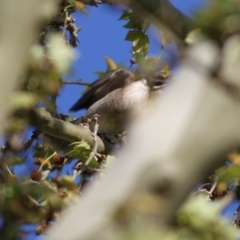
(65, 24)
(9, 171)
(46, 160)
(212, 189)
(94, 151)
(204, 189)
(32, 200)
(78, 82)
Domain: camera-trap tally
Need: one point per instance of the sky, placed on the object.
(103, 35)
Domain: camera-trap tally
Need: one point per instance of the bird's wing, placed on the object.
(101, 87)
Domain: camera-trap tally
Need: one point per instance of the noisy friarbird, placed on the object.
(114, 96)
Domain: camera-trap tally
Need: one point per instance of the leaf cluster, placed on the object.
(137, 26)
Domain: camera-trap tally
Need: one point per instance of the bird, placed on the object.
(114, 96)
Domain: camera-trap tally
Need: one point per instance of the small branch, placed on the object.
(9, 171)
(46, 160)
(94, 151)
(212, 188)
(78, 82)
(65, 23)
(208, 188)
(33, 201)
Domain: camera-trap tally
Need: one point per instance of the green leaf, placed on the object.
(111, 65)
(133, 35)
(131, 25)
(135, 20)
(140, 41)
(139, 56)
(228, 173)
(81, 150)
(164, 72)
(126, 15)
(142, 45)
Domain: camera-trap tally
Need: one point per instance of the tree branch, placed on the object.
(164, 13)
(78, 82)
(181, 152)
(70, 132)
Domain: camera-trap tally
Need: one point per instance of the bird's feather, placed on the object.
(101, 87)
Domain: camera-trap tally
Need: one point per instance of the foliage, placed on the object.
(137, 33)
(220, 19)
(197, 219)
(52, 181)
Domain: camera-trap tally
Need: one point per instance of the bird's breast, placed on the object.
(135, 94)
(114, 109)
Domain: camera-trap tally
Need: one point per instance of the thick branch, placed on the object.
(163, 12)
(191, 128)
(160, 11)
(43, 121)
(168, 15)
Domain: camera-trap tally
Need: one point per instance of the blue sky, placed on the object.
(103, 35)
